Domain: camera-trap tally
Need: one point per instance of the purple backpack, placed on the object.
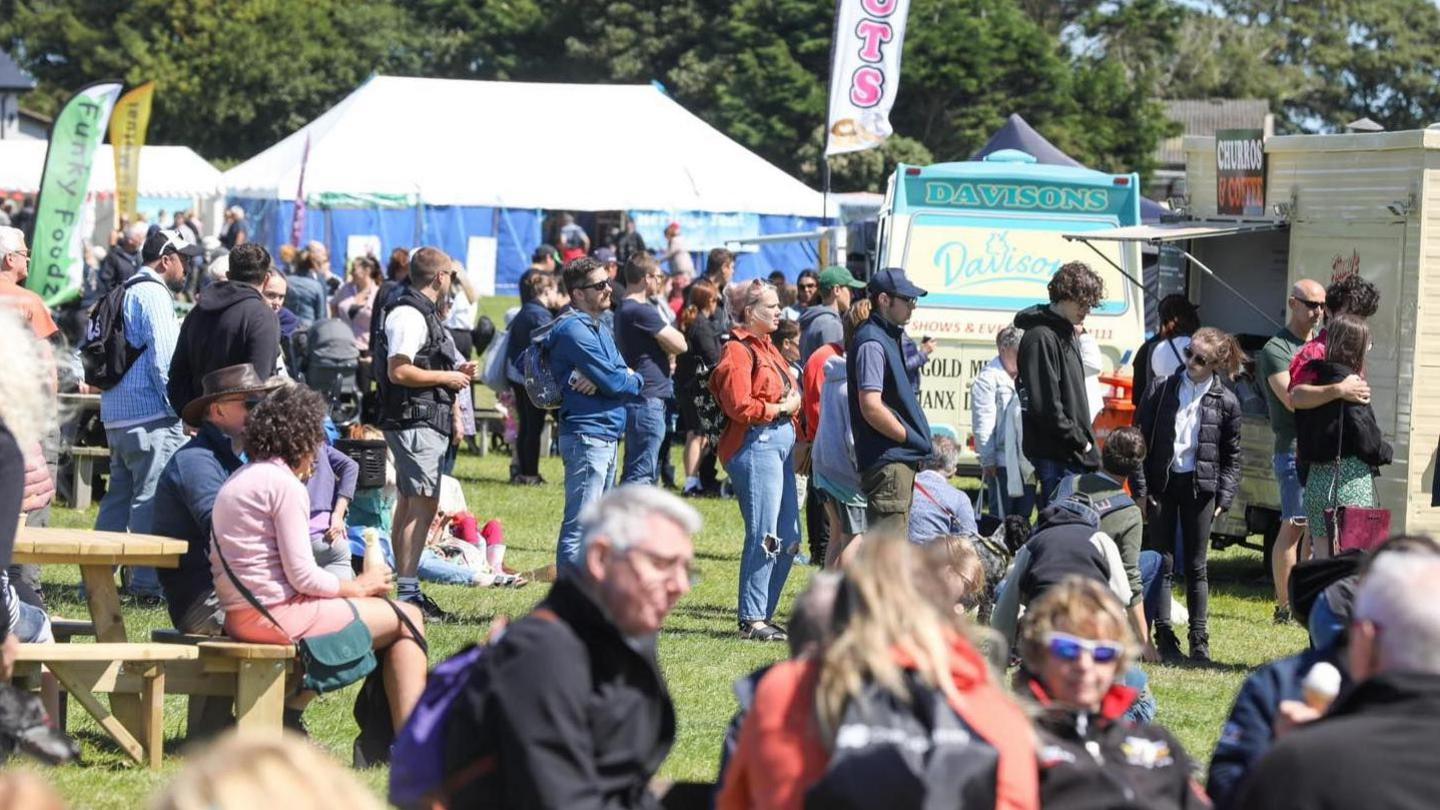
(417, 761)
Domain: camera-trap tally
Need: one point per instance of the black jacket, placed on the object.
(230, 325)
(115, 269)
(703, 346)
(582, 719)
(1320, 431)
(1376, 749)
(1100, 762)
(1060, 548)
(1054, 407)
(1217, 456)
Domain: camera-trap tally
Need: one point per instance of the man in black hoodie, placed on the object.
(230, 325)
(1054, 407)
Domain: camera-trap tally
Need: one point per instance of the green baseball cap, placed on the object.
(837, 276)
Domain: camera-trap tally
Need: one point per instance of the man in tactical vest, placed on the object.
(417, 400)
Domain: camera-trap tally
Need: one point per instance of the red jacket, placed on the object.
(749, 394)
(780, 753)
(814, 380)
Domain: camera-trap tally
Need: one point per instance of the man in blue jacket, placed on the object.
(184, 497)
(597, 384)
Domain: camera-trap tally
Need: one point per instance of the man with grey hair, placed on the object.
(14, 269)
(938, 508)
(235, 231)
(1383, 731)
(575, 711)
(122, 261)
(990, 395)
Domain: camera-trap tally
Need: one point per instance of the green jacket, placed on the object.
(1123, 524)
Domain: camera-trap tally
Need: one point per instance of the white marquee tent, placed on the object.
(165, 171)
(454, 163)
(584, 147)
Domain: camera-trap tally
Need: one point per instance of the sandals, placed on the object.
(762, 631)
(509, 581)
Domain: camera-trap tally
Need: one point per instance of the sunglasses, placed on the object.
(1196, 357)
(599, 285)
(906, 299)
(1311, 305)
(1068, 648)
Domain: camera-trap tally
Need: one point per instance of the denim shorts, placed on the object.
(1292, 492)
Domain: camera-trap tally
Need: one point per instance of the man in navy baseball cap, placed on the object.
(892, 435)
(892, 280)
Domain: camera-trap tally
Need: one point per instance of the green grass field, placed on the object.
(699, 650)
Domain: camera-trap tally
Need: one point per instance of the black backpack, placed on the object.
(105, 353)
(916, 753)
(708, 413)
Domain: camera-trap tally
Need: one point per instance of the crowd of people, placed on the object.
(222, 432)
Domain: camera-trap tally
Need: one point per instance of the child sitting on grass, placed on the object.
(446, 560)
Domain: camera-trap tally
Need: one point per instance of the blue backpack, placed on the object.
(534, 362)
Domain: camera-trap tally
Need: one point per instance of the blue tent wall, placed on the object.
(447, 227)
(517, 233)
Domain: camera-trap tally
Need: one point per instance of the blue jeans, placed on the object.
(138, 455)
(433, 567)
(589, 474)
(1051, 473)
(1292, 492)
(644, 433)
(1151, 563)
(763, 474)
(1001, 504)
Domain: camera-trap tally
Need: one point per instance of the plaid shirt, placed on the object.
(150, 323)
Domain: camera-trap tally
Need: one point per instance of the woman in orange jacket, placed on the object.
(898, 629)
(760, 398)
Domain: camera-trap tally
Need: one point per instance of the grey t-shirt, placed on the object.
(870, 367)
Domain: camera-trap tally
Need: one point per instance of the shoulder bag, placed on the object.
(331, 661)
(1352, 528)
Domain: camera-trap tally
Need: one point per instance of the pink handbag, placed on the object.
(1353, 528)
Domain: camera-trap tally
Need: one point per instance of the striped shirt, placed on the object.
(150, 323)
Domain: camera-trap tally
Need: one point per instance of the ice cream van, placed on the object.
(984, 237)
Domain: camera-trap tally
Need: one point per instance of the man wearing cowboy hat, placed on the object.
(188, 484)
(183, 498)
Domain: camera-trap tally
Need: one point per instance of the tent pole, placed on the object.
(1227, 286)
(1111, 262)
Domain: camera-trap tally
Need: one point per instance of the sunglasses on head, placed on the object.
(1068, 648)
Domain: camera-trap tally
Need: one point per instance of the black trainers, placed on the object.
(433, 613)
(1167, 644)
(760, 631)
(1200, 648)
(294, 720)
(1282, 615)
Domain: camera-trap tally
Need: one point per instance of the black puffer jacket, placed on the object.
(1217, 456)
(1321, 431)
(1100, 762)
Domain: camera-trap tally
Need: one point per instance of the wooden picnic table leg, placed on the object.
(107, 719)
(260, 697)
(152, 702)
(104, 601)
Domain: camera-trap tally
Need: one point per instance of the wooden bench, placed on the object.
(484, 417)
(118, 668)
(254, 675)
(64, 630)
(84, 461)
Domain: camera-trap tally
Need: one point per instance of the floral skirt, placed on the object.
(1356, 488)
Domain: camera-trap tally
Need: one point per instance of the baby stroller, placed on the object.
(330, 363)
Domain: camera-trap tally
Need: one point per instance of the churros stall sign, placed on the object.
(865, 74)
(1240, 172)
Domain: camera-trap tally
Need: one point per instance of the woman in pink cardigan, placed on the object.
(261, 523)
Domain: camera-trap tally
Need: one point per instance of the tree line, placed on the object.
(235, 76)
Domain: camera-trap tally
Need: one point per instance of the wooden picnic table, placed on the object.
(82, 402)
(97, 553)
